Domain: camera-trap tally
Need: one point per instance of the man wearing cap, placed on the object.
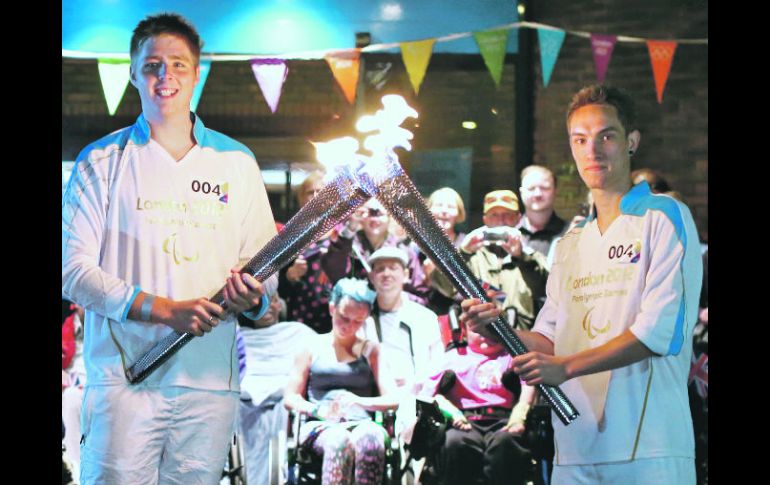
(408, 332)
(496, 255)
(539, 225)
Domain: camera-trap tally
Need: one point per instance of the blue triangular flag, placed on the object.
(550, 45)
(205, 68)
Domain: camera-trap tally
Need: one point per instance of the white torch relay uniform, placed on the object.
(133, 218)
(643, 274)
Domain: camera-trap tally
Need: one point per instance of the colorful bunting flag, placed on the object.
(416, 56)
(699, 373)
(270, 75)
(602, 46)
(378, 74)
(114, 74)
(492, 45)
(661, 56)
(205, 68)
(550, 45)
(344, 66)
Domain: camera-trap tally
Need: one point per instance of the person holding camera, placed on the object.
(363, 233)
(496, 255)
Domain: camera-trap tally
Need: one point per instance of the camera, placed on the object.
(497, 234)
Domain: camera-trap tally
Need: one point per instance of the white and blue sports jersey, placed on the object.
(644, 275)
(133, 218)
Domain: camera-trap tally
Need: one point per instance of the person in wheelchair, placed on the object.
(338, 381)
(266, 350)
(476, 390)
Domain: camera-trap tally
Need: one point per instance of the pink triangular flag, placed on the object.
(602, 46)
(270, 74)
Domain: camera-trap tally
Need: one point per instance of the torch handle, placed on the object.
(562, 406)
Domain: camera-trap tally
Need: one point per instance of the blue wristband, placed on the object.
(146, 310)
(257, 313)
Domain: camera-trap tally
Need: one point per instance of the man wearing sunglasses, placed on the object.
(496, 255)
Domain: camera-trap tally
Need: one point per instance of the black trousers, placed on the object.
(486, 454)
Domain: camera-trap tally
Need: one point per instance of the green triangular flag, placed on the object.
(492, 46)
(114, 74)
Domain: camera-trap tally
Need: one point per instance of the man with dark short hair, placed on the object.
(156, 217)
(617, 327)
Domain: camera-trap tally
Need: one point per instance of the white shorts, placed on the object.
(642, 471)
(146, 436)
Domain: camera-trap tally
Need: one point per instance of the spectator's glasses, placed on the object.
(500, 198)
(374, 212)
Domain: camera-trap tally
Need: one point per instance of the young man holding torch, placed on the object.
(616, 330)
(155, 218)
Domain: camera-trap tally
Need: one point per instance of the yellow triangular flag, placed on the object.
(416, 57)
(114, 74)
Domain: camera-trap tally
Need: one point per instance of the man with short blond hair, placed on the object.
(539, 225)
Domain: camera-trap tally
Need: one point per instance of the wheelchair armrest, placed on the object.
(389, 422)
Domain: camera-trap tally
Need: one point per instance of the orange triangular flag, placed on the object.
(416, 57)
(344, 66)
(661, 55)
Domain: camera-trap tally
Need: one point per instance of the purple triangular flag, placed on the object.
(270, 74)
(602, 46)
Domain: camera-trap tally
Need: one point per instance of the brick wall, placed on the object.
(674, 133)
(458, 88)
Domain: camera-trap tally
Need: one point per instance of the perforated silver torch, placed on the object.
(384, 178)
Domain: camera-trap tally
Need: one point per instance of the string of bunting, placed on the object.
(271, 70)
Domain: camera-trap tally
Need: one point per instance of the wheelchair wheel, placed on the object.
(278, 464)
(235, 470)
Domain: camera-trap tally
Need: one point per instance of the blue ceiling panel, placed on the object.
(284, 26)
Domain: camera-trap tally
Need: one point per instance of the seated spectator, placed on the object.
(408, 333)
(73, 380)
(266, 349)
(302, 283)
(473, 387)
(366, 231)
(447, 207)
(338, 381)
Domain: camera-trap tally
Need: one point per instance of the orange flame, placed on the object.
(389, 135)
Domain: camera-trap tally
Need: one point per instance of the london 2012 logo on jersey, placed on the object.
(629, 252)
(217, 189)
